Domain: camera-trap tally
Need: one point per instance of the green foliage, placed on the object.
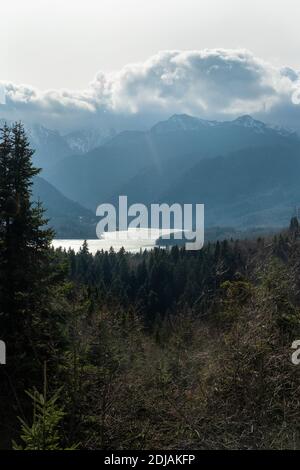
(24, 240)
(43, 433)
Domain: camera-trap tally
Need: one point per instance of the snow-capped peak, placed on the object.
(181, 122)
(40, 134)
(248, 121)
(261, 127)
(84, 140)
(184, 122)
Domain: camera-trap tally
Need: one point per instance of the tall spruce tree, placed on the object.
(24, 239)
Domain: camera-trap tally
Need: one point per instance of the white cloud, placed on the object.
(209, 83)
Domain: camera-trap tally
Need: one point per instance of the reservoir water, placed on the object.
(133, 240)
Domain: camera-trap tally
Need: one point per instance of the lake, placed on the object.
(133, 240)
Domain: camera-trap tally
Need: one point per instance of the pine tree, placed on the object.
(44, 433)
(24, 240)
(5, 193)
(294, 226)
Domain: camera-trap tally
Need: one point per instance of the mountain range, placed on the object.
(51, 146)
(187, 159)
(244, 171)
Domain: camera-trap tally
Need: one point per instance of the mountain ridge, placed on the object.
(95, 177)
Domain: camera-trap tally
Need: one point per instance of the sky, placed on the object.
(109, 59)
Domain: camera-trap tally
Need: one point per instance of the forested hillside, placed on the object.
(165, 349)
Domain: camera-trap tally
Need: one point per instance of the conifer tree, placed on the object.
(24, 239)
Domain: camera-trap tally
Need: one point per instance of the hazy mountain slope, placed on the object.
(153, 181)
(68, 218)
(50, 147)
(92, 178)
(255, 186)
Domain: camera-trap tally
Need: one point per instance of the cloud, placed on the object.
(212, 83)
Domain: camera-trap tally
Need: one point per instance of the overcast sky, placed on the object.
(231, 57)
(62, 43)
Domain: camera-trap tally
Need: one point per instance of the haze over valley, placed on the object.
(244, 171)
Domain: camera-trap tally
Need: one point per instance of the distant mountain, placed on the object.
(256, 186)
(51, 146)
(245, 171)
(92, 178)
(69, 219)
(83, 141)
(154, 182)
(244, 124)
(142, 163)
(248, 188)
(184, 122)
